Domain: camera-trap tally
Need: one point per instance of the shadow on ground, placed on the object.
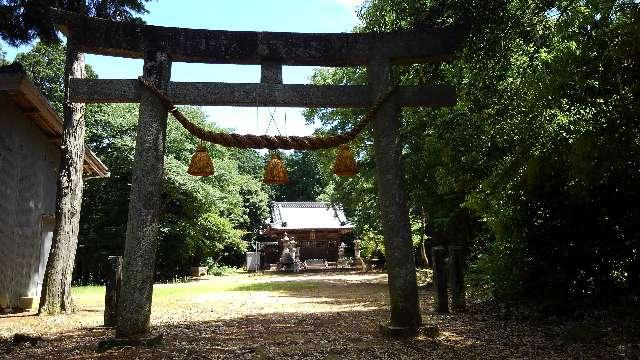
(338, 334)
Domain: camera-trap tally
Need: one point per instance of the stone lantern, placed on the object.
(356, 249)
(358, 263)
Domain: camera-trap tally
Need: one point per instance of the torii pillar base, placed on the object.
(389, 330)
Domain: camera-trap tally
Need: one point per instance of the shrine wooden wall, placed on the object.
(322, 245)
(28, 162)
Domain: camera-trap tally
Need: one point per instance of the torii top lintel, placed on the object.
(105, 37)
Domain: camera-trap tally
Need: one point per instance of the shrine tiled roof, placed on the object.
(307, 215)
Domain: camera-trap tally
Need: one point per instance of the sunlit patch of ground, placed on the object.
(310, 316)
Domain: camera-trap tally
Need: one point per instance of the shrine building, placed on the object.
(317, 227)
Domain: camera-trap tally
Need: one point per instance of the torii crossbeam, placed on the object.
(160, 46)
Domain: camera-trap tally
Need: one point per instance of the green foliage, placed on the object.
(45, 66)
(202, 219)
(308, 177)
(22, 21)
(221, 270)
(534, 169)
(371, 245)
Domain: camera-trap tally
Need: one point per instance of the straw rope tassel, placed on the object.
(275, 172)
(201, 164)
(345, 164)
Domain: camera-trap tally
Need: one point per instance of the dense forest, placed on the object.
(535, 171)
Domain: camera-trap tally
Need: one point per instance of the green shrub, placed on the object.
(222, 270)
(497, 273)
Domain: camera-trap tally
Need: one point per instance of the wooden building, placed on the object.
(317, 227)
(30, 138)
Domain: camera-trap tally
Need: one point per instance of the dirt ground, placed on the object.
(313, 316)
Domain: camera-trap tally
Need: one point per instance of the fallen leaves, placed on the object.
(330, 316)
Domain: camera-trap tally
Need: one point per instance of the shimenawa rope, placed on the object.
(267, 141)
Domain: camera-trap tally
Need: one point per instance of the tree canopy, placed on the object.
(535, 169)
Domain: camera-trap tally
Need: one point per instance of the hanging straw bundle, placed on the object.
(275, 172)
(201, 164)
(345, 164)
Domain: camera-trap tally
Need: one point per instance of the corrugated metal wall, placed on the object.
(27, 196)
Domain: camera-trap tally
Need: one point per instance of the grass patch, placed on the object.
(163, 293)
(276, 286)
(89, 294)
(229, 283)
(88, 291)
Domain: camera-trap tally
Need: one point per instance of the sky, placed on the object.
(319, 16)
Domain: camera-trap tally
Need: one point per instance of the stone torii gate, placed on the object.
(160, 46)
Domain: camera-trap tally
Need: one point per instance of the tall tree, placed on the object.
(541, 148)
(22, 21)
(56, 286)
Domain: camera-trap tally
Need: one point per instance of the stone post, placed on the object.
(134, 306)
(440, 279)
(113, 280)
(401, 269)
(456, 278)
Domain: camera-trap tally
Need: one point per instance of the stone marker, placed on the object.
(456, 278)
(440, 279)
(112, 280)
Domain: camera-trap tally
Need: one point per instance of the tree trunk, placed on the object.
(56, 287)
(423, 254)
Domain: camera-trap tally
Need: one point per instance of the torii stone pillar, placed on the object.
(134, 307)
(392, 200)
